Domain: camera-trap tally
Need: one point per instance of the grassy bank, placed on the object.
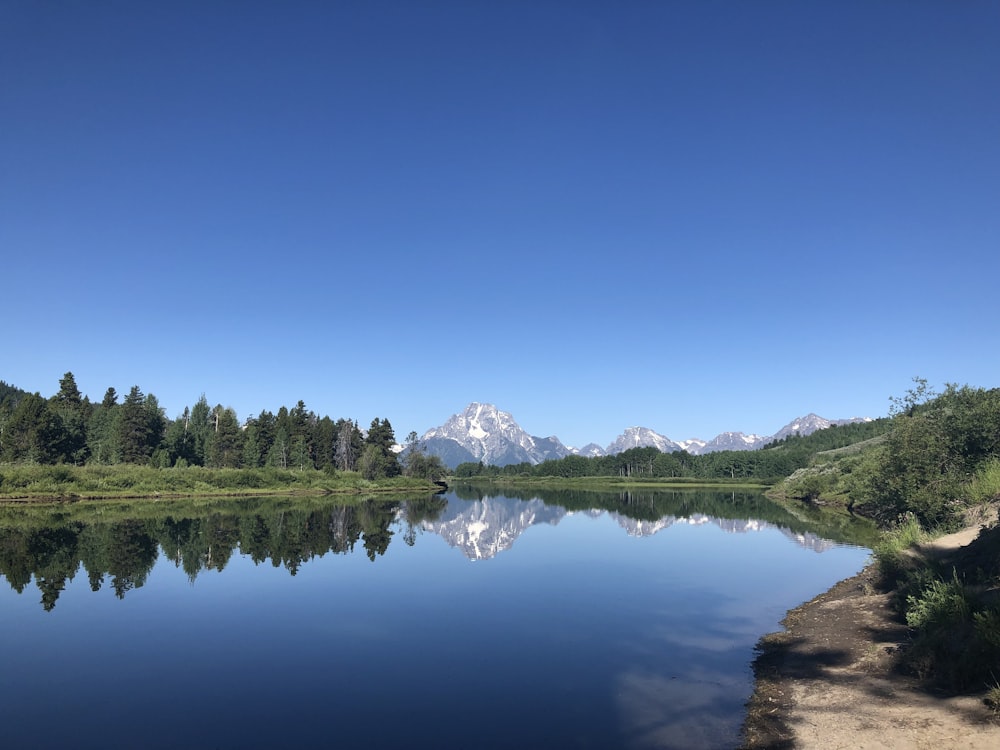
(19, 482)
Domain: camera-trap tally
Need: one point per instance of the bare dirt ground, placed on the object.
(830, 680)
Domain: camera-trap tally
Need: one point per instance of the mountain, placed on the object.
(641, 437)
(732, 441)
(590, 450)
(693, 446)
(809, 424)
(740, 441)
(484, 433)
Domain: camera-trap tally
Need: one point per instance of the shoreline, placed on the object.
(831, 679)
(218, 495)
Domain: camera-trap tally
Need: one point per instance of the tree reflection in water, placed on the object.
(51, 551)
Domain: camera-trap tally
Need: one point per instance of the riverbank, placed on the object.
(833, 679)
(31, 483)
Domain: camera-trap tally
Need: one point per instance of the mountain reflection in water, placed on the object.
(610, 620)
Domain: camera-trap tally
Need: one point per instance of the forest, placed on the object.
(70, 429)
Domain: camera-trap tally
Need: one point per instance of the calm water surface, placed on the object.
(577, 621)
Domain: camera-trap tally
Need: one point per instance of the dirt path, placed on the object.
(828, 681)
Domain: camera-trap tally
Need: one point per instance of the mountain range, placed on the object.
(484, 433)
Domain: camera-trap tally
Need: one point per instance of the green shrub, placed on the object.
(987, 626)
(993, 698)
(889, 552)
(941, 604)
(957, 641)
(985, 485)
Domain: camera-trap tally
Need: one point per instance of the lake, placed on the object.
(470, 620)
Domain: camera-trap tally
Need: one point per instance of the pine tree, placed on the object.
(134, 430)
(73, 412)
(102, 433)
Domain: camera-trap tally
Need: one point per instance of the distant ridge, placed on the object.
(484, 433)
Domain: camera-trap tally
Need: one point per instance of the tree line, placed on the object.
(69, 429)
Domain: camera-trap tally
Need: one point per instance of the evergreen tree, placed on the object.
(251, 444)
(224, 448)
(179, 440)
(73, 412)
(266, 424)
(32, 434)
(200, 429)
(382, 438)
(134, 430)
(103, 444)
(324, 443)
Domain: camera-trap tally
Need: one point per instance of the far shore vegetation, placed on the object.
(66, 446)
(66, 482)
(611, 482)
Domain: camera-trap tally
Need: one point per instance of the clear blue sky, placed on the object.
(691, 216)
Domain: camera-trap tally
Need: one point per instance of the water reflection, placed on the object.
(121, 553)
(486, 526)
(51, 549)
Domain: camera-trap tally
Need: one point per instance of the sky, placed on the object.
(689, 216)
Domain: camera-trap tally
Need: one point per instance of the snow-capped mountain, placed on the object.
(693, 446)
(641, 437)
(732, 441)
(590, 450)
(484, 433)
(810, 423)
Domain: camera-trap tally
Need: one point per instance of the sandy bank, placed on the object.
(829, 680)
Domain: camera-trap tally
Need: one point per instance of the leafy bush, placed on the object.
(985, 485)
(941, 604)
(987, 625)
(889, 552)
(957, 639)
(928, 460)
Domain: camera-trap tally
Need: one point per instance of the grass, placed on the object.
(940, 604)
(985, 485)
(48, 514)
(956, 638)
(992, 698)
(891, 553)
(131, 481)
